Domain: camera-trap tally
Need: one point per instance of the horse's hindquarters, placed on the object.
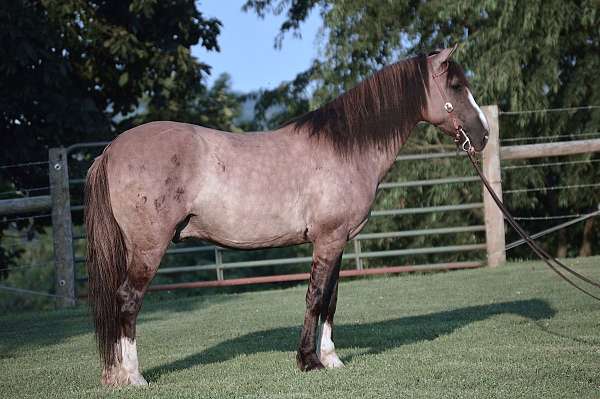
(152, 173)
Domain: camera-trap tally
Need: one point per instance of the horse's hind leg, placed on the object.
(323, 279)
(142, 267)
(327, 353)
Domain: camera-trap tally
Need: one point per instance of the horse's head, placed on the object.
(450, 104)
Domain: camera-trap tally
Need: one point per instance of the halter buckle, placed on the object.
(448, 107)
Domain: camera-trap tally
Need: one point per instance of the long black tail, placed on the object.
(106, 262)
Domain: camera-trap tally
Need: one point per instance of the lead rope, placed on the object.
(550, 261)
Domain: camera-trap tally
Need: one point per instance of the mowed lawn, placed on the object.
(514, 331)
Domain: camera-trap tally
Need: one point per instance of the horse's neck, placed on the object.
(383, 158)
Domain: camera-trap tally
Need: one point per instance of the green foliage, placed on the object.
(69, 67)
(540, 54)
(33, 271)
(275, 107)
(217, 107)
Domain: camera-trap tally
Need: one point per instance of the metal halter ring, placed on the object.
(448, 107)
(466, 145)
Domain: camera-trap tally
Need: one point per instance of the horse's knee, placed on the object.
(314, 296)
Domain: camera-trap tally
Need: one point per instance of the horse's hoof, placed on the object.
(137, 379)
(331, 360)
(117, 376)
(309, 362)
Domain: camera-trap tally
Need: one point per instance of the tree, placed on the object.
(70, 67)
(519, 55)
(217, 107)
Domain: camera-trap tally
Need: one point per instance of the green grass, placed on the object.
(514, 331)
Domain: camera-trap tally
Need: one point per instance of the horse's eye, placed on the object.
(456, 86)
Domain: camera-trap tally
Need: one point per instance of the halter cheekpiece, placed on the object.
(449, 108)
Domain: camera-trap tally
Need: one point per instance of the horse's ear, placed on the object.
(439, 57)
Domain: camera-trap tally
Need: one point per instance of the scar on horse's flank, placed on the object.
(317, 182)
(142, 199)
(159, 203)
(179, 194)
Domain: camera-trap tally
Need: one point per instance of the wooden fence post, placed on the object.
(494, 220)
(61, 227)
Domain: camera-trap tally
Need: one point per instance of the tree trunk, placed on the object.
(586, 242)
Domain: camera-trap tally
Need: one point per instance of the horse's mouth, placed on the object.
(472, 146)
(477, 150)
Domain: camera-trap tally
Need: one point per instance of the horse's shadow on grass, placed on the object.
(374, 337)
(37, 329)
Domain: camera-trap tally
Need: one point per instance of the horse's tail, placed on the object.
(106, 262)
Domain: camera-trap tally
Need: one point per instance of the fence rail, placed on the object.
(529, 151)
(304, 276)
(17, 206)
(364, 236)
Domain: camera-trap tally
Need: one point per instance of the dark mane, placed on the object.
(378, 111)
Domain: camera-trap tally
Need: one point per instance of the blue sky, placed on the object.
(247, 51)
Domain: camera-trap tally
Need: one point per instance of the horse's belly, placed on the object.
(245, 228)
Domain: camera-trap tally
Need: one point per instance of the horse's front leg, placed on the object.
(323, 280)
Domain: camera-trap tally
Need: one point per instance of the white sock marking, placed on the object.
(327, 353)
(479, 111)
(130, 361)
